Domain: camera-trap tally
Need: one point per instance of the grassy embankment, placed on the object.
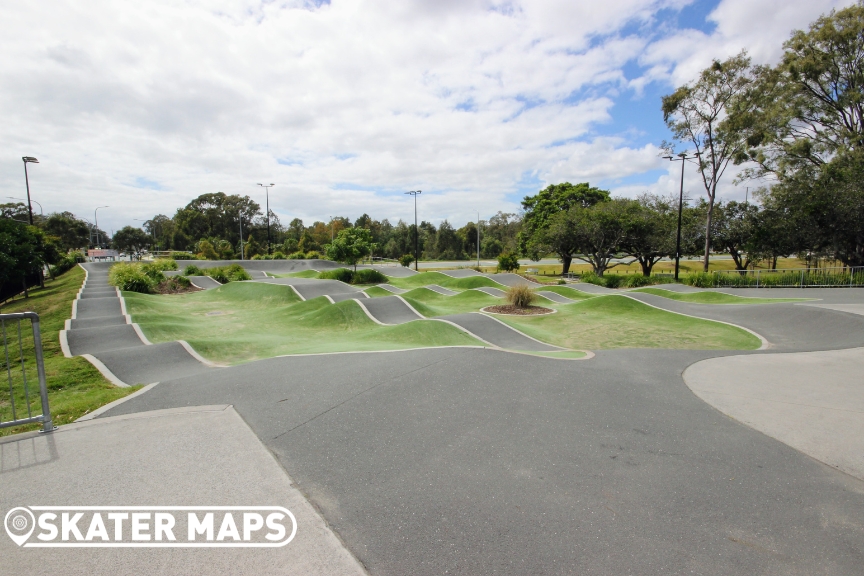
(605, 322)
(245, 321)
(714, 297)
(75, 387)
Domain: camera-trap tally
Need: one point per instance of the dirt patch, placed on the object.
(516, 311)
(175, 285)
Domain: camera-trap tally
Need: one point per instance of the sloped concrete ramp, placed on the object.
(390, 310)
(497, 333)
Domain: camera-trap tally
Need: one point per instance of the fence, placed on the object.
(20, 400)
(788, 278)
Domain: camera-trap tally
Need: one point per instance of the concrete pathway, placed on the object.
(812, 401)
(199, 456)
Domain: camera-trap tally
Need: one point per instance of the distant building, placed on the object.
(99, 254)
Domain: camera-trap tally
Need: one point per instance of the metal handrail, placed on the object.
(45, 416)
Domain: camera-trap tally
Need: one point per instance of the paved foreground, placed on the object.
(473, 461)
(202, 456)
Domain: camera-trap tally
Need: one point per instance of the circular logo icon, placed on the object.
(19, 523)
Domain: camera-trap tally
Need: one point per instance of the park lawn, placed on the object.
(257, 320)
(75, 387)
(714, 297)
(605, 322)
(431, 304)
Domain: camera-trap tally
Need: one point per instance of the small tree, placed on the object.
(350, 246)
(129, 239)
(406, 260)
(696, 113)
(508, 262)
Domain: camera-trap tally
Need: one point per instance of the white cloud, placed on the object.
(459, 98)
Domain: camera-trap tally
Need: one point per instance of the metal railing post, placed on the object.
(47, 424)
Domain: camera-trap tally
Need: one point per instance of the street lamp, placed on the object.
(95, 219)
(267, 196)
(241, 236)
(332, 224)
(681, 158)
(416, 193)
(28, 160)
(41, 211)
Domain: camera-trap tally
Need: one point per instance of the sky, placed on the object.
(346, 105)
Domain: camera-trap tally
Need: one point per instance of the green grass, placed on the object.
(75, 387)
(714, 297)
(303, 274)
(376, 292)
(427, 278)
(571, 293)
(431, 303)
(606, 322)
(257, 320)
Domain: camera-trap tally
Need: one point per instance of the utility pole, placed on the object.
(96, 219)
(241, 236)
(267, 196)
(28, 160)
(681, 158)
(416, 193)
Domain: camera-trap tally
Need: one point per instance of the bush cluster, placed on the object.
(362, 276)
(135, 277)
(164, 264)
(520, 296)
(193, 270)
(406, 260)
(230, 273)
(623, 280)
(768, 279)
(66, 263)
(508, 262)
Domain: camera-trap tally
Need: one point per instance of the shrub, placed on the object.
(278, 255)
(592, 278)
(520, 296)
(163, 264)
(297, 256)
(131, 278)
(562, 282)
(612, 281)
(700, 280)
(183, 256)
(369, 276)
(508, 262)
(341, 274)
(406, 260)
(173, 285)
(258, 257)
(230, 273)
(152, 271)
(192, 270)
(66, 263)
(637, 281)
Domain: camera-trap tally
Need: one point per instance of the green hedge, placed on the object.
(230, 273)
(134, 277)
(362, 276)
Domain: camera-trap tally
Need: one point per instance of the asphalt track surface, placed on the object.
(390, 310)
(100, 329)
(555, 297)
(441, 290)
(473, 461)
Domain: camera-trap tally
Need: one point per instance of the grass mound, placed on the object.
(620, 322)
(241, 322)
(431, 303)
(361, 276)
(75, 387)
(302, 274)
(376, 292)
(567, 292)
(714, 297)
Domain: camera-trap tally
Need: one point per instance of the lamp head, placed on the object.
(29, 159)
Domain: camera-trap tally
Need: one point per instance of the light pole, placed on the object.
(478, 238)
(241, 236)
(331, 228)
(28, 160)
(416, 193)
(95, 219)
(267, 196)
(681, 158)
(41, 211)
